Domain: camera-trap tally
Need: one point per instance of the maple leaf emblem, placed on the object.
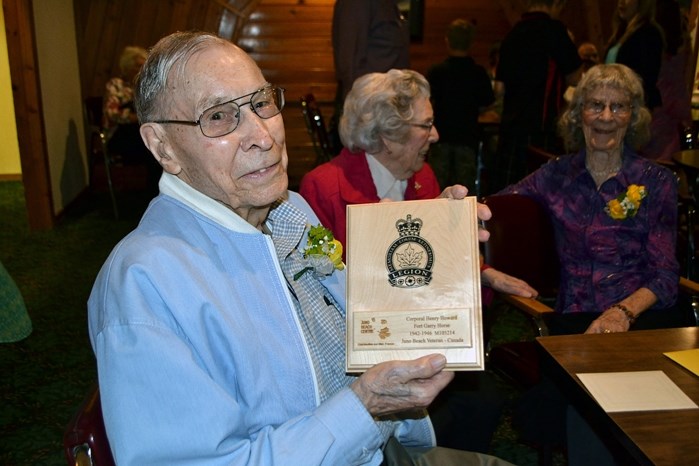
(410, 257)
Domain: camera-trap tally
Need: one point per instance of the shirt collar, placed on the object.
(287, 225)
(174, 187)
(285, 222)
(387, 186)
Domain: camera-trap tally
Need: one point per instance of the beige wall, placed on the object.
(61, 97)
(9, 147)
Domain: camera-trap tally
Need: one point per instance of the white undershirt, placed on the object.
(387, 186)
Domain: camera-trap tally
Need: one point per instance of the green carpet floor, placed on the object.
(45, 376)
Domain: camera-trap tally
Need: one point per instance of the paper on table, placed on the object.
(687, 358)
(635, 391)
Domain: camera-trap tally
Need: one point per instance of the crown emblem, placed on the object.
(408, 226)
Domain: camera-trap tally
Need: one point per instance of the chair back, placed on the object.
(522, 242)
(316, 128)
(93, 111)
(536, 157)
(96, 136)
(97, 139)
(85, 439)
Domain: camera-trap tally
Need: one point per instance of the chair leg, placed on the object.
(110, 185)
(691, 246)
(546, 455)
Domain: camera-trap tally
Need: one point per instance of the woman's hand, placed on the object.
(615, 319)
(456, 191)
(504, 283)
(611, 321)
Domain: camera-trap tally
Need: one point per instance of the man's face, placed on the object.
(245, 169)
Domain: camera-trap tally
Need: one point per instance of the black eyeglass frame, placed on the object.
(282, 102)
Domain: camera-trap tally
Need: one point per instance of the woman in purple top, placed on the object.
(614, 213)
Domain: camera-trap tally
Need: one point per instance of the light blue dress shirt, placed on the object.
(201, 355)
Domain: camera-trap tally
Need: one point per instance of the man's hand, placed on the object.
(458, 191)
(504, 283)
(395, 386)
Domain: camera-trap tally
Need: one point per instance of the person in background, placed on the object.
(538, 60)
(367, 36)
(637, 41)
(208, 350)
(119, 117)
(673, 118)
(614, 215)
(489, 119)
(589, 57)
(387, 129)
(460, 89)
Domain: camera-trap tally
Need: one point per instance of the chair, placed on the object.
(97, 139)
(316, 128)
(686, 168)
(85, 439)
(536, 157)
(516, 221)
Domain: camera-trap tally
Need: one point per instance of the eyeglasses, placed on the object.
(427, 126)
(596, 107)
(224, 118)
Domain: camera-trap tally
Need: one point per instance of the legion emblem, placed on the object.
(410, 258)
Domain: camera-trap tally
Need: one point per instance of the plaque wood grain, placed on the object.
(413, 283)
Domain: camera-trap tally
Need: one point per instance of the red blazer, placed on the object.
(346, 179)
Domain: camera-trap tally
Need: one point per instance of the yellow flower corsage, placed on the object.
(626, 205)
(323, 253)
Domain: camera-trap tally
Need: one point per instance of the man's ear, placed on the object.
(157, 142)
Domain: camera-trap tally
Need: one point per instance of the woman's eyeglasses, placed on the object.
(224, 118)
(596, 107)
(427, 126)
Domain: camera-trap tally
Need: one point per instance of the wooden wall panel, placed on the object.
(105, 27)
(19, 28)
(291, 41)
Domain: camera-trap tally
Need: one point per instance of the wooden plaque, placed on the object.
(414, 283)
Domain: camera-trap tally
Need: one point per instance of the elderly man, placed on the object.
(208, 350)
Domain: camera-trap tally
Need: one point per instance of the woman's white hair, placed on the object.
(380, 105)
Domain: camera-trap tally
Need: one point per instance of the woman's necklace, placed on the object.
(605, 172)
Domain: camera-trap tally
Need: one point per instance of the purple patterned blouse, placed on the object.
(604, 260)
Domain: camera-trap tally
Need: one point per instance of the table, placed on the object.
(649, 437)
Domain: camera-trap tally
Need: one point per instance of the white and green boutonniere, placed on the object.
(323, 253)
